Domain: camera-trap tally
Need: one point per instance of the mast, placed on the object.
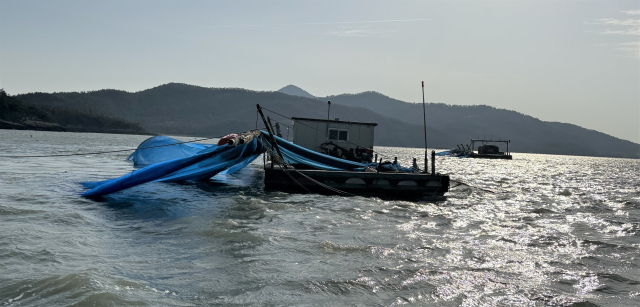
(271, 133)
(424, 116)
(328, 111)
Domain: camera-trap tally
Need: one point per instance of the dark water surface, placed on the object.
(561, 231)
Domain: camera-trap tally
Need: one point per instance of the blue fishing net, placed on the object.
(300, 156)
(176, 165)
(169, 160)
(163, 148)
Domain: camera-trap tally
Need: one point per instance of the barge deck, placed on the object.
(360, 183)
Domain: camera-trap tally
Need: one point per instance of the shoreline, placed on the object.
(53, 127)
(146, 133)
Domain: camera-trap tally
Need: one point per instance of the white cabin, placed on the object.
(310, 133)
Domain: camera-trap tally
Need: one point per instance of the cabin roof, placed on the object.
(490, 141)
(333, 121)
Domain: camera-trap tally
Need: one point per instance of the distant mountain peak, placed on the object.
(295, 91)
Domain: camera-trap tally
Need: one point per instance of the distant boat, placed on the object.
(490, 151)
(460, 152)
(486, 151)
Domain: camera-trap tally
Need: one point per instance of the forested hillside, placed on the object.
(191, 110)
(527, 133)
(16, 114)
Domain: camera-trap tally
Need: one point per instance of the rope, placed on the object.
(106, 152)
(324, 185)
(285, 165)
(282, 123)
(436, 191)
(324, 132)
(338, 191)
(282, 163)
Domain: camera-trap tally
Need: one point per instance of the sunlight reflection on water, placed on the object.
(558, 230)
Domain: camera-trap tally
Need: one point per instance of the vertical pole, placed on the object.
(270, 131)
(376, 158)
(278, 132)
(433, 162)
(424, 117)
(271, 126)
(328, 112)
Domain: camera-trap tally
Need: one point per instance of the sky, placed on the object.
(567, 61)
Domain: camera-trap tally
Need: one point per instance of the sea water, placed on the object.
(539, 230)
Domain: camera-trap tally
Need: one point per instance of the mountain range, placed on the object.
(183, 109)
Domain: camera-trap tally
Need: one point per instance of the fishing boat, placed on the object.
(485, 151)
(489, 151)
(296, 166)
(331, 156)
(287, 166)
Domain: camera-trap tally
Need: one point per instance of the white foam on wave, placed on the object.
(17, 298)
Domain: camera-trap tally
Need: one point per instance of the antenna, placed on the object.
(424, 116)
(328, 112)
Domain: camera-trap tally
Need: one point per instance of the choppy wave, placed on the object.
(558, 231)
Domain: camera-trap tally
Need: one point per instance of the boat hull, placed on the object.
(398, 185)
(489, 156)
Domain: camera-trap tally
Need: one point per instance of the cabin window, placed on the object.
(339, 134)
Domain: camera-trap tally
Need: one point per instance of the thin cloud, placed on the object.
(320, 23)
(623, 27)
(358, 32)
(613, 32)
(618, 22)
(637, 12)
(634, 31)
(633, 47)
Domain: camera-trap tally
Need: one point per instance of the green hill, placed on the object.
(191, 110)
(16, 114)
(527, 133)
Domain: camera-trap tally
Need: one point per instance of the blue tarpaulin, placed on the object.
(300, 156)
(169, 160)
(163, 148)
(180, 162)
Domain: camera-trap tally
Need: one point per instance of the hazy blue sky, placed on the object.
(566, 61)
